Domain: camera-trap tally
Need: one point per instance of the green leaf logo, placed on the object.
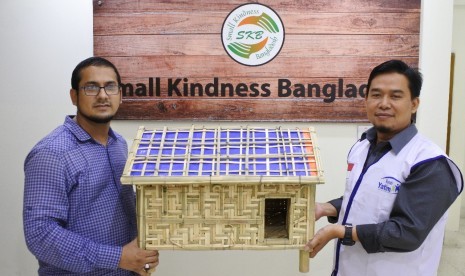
(253, 34)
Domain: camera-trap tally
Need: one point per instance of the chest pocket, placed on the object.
(375, 197)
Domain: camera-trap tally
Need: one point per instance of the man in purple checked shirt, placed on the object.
(78, 218)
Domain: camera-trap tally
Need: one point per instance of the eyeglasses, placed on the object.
(94, 90)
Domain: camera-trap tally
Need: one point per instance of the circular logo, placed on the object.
(253, 34)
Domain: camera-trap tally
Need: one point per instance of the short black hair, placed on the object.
(413, 76)
(92, 61)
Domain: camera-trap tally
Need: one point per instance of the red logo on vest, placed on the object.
(350, 166)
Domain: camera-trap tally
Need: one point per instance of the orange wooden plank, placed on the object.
(244, 109)
(116, 6)
(294, 46)
(294, 23)
(224, 66)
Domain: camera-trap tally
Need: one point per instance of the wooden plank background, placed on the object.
(325, 42)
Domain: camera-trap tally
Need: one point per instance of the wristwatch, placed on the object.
(347, 240)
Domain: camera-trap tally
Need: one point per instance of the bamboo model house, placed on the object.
(225, 188)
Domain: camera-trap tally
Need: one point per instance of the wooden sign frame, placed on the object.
(174, 66)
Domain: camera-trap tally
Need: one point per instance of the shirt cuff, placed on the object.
(337, 203)
(109, 256)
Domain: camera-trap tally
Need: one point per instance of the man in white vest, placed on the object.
(391, 218)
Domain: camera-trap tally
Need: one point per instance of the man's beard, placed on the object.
(95, 119)
(382, 129)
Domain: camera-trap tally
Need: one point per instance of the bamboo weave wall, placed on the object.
(220, 216)
(325, 42)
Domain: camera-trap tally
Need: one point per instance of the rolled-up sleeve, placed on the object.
(422, 200)
(337, 203)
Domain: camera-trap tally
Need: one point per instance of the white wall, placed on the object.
(435, 51)
(457, 146)
(43, 40)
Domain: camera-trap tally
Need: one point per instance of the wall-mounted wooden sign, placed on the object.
(177, 63)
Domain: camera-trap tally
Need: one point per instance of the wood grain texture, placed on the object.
(117, 6)
(325, 42)
(308, 45)
(173, 23)
(217, 66)
(244, 109)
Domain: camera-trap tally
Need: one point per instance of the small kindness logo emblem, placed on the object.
(253, 34)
